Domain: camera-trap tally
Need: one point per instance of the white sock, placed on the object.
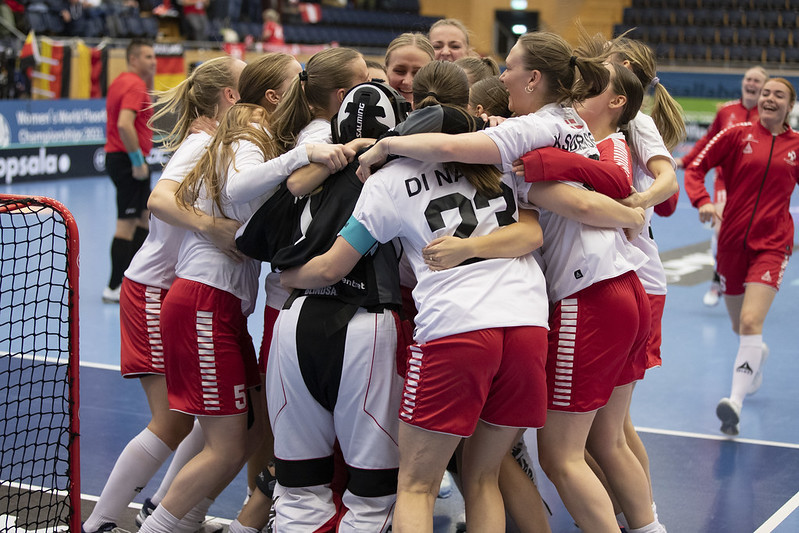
(622, 520)
(236, 527)
(747, 363)
(137, 463)
(194, 518)
(188, 448)
(654, 527)
(161, 521)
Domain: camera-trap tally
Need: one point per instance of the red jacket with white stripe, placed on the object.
(732, 112)
(760, 173)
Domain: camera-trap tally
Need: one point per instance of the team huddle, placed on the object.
(455, 256)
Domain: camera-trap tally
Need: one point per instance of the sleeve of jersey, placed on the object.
(185, 157)
(136, 98)
(375, 217)
(517, 136)
(646, 141)
(695, 173)
(256, 178)
(667, 208)
(607, 176)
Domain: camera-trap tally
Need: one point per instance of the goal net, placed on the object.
(39, 452)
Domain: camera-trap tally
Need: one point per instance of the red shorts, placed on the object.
(739, 268)
(270, 317)
(142, 351)
(495, 375)
(656, 304)
(210, 359)
(597, 341)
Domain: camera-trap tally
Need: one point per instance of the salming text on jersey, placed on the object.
(574, 142)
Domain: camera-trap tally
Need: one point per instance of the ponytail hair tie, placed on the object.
(654, 81)
(573, 61)
(304, 75)
(431, 93)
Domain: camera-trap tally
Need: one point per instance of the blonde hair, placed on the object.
(550, 54)
(267, 72)
(478, 68)
(492, 95)
(210, 172)
(326, 72)
(198, 95)
(444, 83)
(410, 39)
(666, 112)
(451, 22)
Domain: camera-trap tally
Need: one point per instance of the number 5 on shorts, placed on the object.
(241, 396)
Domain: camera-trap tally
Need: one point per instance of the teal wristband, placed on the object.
(136, 158)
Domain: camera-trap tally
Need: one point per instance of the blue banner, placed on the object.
(37, 123)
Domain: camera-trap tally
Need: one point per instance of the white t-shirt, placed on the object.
(249, 183)
(419, 202)
(646, 143)
(154, 263)
(574, 255)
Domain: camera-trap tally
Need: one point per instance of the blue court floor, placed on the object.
(704, 482)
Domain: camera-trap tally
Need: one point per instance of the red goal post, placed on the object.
(39, 366)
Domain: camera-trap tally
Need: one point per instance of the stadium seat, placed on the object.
(707, 35)
(745, 36)
(726, 35)
(706, 17)
(762, 36)
(736, 52)
(753, 54)
(774, 54)
(781, 36)
(792, 55)
(718, 52)
(771, 18)
(690, 34)
(735, 18)
(788, 19)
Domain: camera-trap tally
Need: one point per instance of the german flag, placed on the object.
(171, 67)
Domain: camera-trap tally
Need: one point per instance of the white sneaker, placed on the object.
(712, 296)
(729, 412)
(111, 296)
(758, 379)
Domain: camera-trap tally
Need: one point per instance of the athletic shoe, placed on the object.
(111, 296)
(729, 412)
(522, 456)
(758, 379)
(146, 510)
(711, 297)
(108, 527)
(445, 489)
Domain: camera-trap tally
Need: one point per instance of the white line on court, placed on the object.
(781, 514)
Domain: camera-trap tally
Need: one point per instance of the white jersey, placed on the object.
(419, 202)
(574, 255)
(250, 182)
(154, 263)
(317, 131)
(646, 143)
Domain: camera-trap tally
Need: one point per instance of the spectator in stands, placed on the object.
(478, 68)
(72, 14)
(450, 39)
(195, 20)
(405, 55)
(273, 29)
(129, 140)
